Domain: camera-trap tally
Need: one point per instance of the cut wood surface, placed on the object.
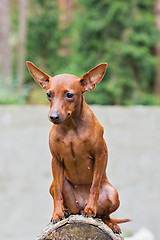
(78, 227)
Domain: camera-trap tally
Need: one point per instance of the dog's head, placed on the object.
(65, 91)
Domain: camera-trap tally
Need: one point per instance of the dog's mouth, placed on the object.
(55, 121)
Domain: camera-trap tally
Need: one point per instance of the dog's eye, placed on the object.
(49, 96)
(70, 95)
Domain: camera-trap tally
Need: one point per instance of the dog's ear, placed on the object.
(38, 75)
(89, 80)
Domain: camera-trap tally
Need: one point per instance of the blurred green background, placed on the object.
(72, 36)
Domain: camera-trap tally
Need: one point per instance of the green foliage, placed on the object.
(43, 35)
(13, 96)
(121, 33)
(38, 96)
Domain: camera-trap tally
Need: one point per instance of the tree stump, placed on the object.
(77, 227)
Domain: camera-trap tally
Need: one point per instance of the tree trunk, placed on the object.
(65, 8)
(4, 42)
(22, 42)
(65, 12)
(78, 227)
(157, 48)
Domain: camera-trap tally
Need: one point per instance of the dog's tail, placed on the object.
(117, 221)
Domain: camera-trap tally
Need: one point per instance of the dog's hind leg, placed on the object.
(108, 202)
(70, 201)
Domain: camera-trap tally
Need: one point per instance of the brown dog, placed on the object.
(79, 151)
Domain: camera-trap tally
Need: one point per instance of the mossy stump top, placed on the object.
(77, 227)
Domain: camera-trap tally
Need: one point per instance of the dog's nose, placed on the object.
(54, 117)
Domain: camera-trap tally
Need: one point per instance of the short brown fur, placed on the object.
(79, 152)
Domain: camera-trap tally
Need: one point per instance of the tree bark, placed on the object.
(65, 8)
(78, 227)
(65, 12)
(4, 42)
(157, 48)
(22, 42)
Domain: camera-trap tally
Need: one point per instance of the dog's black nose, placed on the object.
(55, 117)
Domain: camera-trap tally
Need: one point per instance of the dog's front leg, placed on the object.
(56, 190)
(101, 157)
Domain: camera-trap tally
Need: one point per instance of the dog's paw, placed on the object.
(56, 217)
(115, 228)
(66, 213)
(88, 212)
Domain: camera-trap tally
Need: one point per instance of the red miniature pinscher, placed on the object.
(79, 152)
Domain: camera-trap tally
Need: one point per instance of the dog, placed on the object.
(79, 152)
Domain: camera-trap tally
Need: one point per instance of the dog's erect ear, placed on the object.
(89, 80)
(38, 75)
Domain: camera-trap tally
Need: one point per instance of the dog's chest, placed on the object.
(73, 146)
(76, 153)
